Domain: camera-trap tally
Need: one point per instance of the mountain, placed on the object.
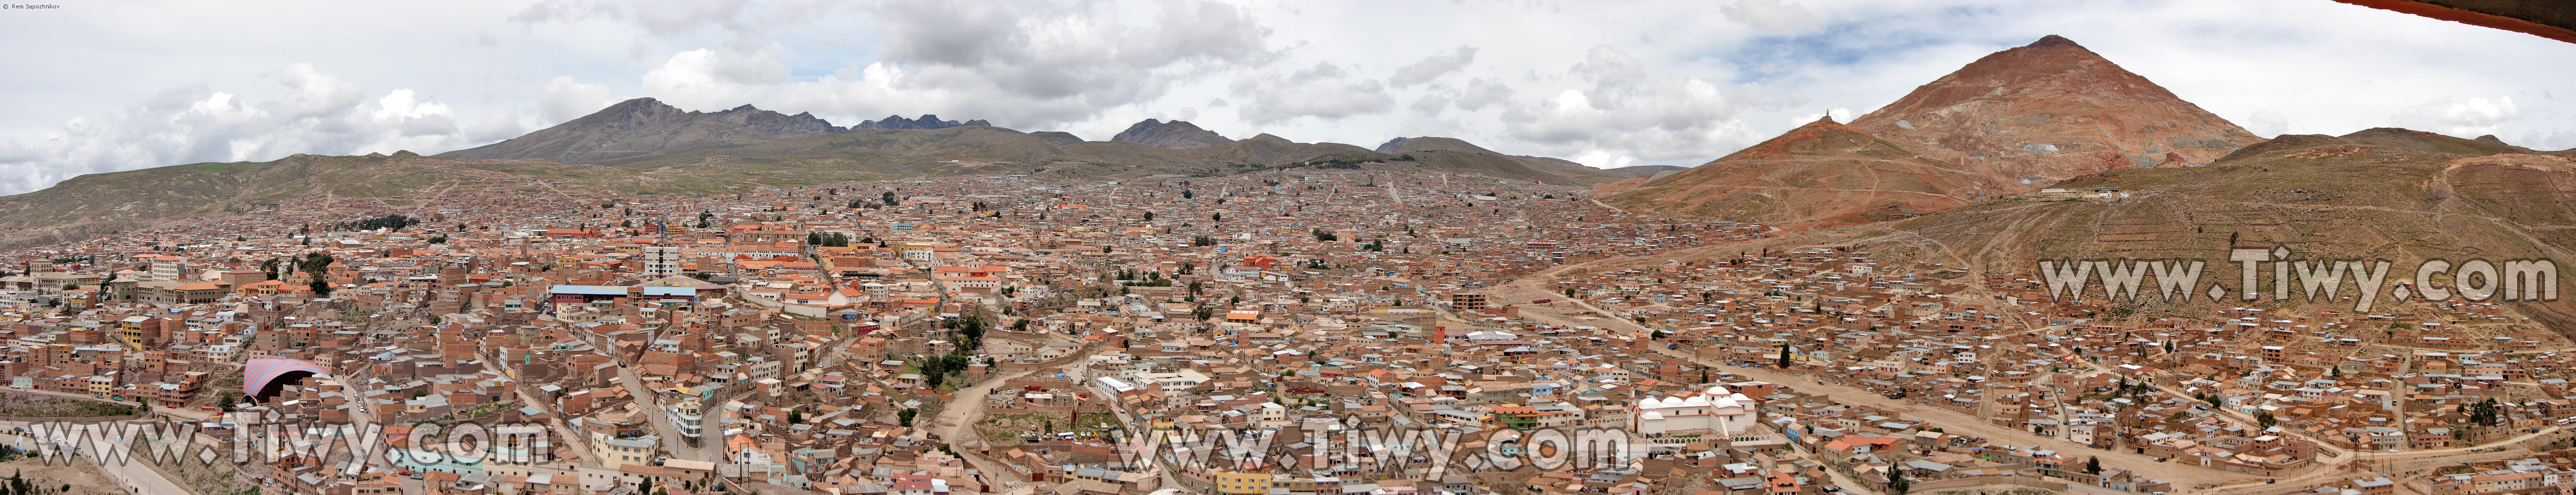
(1269, 150)
(2052, 110)
(1822, 173)
(1453, 155)
(2012, 121)
(643, 127)
(1173, 135)
(2392, 194)
(642, 146)
(926, 121)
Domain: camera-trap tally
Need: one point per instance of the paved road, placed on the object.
(708, 449)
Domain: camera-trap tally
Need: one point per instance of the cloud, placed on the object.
(1627, 117)
(318, 113)
(1432, 67)
(1322, 91)
(1018, 63)
(564, 99)
(1771, 16)
(2266, 123)
(2461, 117)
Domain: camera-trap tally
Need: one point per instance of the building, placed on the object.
(661, 261)
(1713, 411)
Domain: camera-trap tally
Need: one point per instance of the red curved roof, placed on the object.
(257, 374)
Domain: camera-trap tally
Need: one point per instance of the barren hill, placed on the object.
(2052, 110)
(1175, 135)
(1822, 173)
(2013, 121)
(2392, 194)
(643, 127)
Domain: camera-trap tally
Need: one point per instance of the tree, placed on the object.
(889, 198)
(1149, 216)
(795, 417)
(2092, 465)
(907, 413)
(644, 487)
(2265, 419)
(1217, 217)
(1784, 354)
(1896, 481)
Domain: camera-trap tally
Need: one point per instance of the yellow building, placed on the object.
(1243, 483)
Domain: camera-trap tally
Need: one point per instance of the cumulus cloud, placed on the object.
(318, 114)
(2462, 117)
(1322, 91)
(1628, 117)
(1432, 67)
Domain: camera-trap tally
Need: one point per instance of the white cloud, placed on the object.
(1432, 67)
(1771, 16)
(1321, 91)
(318, 113)
(2462, 117)
(1627, 117)
(564, 99)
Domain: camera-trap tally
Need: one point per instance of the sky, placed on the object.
(98, 86)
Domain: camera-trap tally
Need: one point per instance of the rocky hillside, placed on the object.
(2392, 194)
(1819, 174)
(1172, 135)
(643, 127)
(2052, 110)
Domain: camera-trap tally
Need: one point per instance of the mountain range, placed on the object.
(644, 146)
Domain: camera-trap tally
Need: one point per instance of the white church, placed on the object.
(1715, 411)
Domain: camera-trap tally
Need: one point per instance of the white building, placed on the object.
(1713, 411)
(661, 261)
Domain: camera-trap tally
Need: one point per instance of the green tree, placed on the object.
(907, 413)
(1784, 354)
(2265, 419)
(1896, 481)
(2092, 465)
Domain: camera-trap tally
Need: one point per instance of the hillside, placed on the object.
(1822, 173)
(101, 203)
(642, 127)
(1642, 170)
(2393, 194)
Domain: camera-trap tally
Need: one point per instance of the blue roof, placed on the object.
(669, 291)
(596, 290)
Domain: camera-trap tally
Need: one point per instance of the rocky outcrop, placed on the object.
(1169, 135)
(927, 121)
